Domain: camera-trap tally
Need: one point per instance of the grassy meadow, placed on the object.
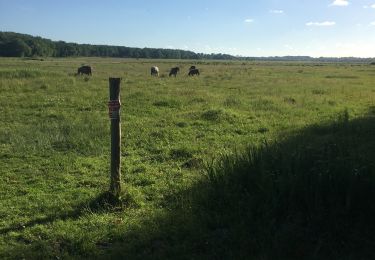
(256, 160)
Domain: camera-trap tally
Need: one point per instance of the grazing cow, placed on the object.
(84, 70)
(174, 71)
(154, 71)
(193, 72)
(192, 67)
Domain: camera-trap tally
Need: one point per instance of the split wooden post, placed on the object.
(114, 114)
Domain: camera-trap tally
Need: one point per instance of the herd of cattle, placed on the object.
(86, 70)
(173, 72)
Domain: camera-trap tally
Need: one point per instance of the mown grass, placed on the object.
(54, 156)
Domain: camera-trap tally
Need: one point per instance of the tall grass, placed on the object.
(310, 196)
(24, 73)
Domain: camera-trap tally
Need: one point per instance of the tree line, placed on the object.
(23, 45)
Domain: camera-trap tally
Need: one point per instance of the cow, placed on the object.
(84, 70)
(174, 71)
(192, 68)
(193, 72)
(154, 71)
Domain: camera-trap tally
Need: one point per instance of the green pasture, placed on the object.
(182, 140)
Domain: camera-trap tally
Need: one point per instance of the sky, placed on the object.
(330, 28)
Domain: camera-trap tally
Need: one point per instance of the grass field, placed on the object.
(248, 160)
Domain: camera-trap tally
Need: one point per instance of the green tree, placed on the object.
(16, 48)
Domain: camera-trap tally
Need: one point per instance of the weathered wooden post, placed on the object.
(114, 114)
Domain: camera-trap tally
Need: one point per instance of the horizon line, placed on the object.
(204, 53)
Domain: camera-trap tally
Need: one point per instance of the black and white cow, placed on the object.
(154, 71)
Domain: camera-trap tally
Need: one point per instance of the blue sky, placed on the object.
(238, 27)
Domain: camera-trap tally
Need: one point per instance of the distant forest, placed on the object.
(22, 45)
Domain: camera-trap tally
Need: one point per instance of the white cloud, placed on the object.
(351, 48)
(288, 46)
(276, 11)
(373, 6)
(372, 24)
(206, 48)
(369, 6)
(344, 45)
(249, 20)
(326, 23)
(340, 3)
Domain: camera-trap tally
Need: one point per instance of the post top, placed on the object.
(114, 79)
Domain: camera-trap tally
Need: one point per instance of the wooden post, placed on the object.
(114, 114)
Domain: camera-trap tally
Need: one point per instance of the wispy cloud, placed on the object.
(248, 20)
(340, 3)
(288, 46)
(372, 24)
(326, 23)
(276, 11)
(369, 6)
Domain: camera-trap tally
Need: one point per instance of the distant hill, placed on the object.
(23, 45)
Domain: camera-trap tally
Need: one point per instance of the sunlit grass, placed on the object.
(54, 142)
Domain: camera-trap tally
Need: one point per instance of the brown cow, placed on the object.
(193, 72)
(174, 71)
(84, 70)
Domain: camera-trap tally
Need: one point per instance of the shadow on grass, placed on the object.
(309, 196)
(104, 202)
